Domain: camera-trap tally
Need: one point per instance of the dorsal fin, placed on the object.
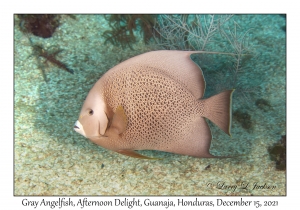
(179, 66)
(175, 64)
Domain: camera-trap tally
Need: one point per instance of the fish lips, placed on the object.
(78, 128)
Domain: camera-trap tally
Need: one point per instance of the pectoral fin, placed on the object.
(118, 123)
(134, 154)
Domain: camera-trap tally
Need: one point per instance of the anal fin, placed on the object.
(132, 153)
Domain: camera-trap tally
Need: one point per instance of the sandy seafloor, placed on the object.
(52, 159)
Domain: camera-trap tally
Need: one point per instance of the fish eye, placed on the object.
(91, 112)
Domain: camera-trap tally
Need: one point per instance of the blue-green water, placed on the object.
(52, 159)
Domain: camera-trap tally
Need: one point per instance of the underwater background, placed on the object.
(58, 58)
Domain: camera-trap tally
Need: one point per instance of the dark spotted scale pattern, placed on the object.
(160, 111)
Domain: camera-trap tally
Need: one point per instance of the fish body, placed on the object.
(153, 102)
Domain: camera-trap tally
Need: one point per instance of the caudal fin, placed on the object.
(218, 110)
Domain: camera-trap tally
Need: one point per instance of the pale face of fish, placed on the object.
(92, 120)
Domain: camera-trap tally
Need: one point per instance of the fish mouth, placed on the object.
(78, 128)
